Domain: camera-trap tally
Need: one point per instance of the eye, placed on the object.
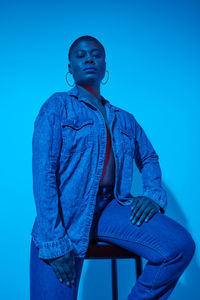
(81, 55)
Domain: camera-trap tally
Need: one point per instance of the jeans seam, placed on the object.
(156, 276)
(165, 259)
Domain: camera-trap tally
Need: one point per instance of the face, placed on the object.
(87, 54)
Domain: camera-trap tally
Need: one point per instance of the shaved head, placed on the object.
(84, 38)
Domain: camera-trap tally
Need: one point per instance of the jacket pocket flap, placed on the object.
(126, 132)
(77, 124)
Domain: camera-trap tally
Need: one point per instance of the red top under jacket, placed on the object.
(107, 155)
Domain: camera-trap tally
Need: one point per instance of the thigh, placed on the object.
(44, 284)
(159, 238)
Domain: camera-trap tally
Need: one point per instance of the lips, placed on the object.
(89, 69)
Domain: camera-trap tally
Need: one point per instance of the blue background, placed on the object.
(152, 54)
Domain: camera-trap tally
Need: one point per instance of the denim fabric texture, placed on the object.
(166, 244)
(68, 150)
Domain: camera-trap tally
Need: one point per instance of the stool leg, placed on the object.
(138, 266)
(114, 280)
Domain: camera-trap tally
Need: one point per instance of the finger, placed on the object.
(135, 210)
(73, 270)
(69, 267)
(136, 201)
(137, 207)
(65, 275)
(150, 215)
(56, 271)
(135, 217)
(143, 216)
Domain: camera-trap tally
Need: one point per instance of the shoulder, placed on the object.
(124, 114)
(54, 103)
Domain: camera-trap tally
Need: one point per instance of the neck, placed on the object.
(95, 91)
(91, 91)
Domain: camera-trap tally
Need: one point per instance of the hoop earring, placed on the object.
(106, 80)
(67, 80)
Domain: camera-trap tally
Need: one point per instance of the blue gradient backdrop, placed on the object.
(152, 50)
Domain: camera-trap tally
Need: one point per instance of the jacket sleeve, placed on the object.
(147, 162)
(52, 237)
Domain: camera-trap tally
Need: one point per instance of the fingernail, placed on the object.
(133, 221)
(60, 279)
(67, 282)
(138, 223)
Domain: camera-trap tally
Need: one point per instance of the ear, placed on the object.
(69, 68)
(105, 67)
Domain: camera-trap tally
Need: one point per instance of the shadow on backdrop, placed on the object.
(190, 288)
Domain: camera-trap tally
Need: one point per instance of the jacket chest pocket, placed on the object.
(76, 136)
(126, 141)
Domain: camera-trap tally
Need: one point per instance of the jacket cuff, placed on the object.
(54, 249)
(159, 196)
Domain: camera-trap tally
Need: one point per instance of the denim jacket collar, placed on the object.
(75, 92)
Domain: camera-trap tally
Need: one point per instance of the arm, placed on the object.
(46, 142)
(147, 162)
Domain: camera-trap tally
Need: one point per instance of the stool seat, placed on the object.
(98, 249)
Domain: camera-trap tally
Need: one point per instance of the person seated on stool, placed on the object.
(83, 152)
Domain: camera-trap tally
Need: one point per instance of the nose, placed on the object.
(89, 59)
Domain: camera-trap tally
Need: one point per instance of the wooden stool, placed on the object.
(105, 250)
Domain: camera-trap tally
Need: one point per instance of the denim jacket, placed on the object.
(68, 149)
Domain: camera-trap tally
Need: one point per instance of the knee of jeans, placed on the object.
(184, 248)
(190, 247)
(187, 246)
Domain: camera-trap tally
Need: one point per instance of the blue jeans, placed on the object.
(166, 244)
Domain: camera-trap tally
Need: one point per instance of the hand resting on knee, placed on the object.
(143, 208)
